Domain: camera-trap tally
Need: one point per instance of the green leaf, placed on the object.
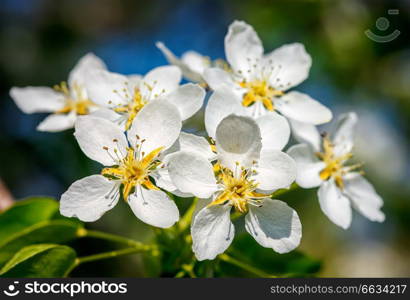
(26, 213)
(43, 260)
(50, 231)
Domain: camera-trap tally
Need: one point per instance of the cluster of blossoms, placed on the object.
(132, 126)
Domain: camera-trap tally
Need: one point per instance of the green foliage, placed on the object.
(33, 232)
(26, 213)
(42, 260)
(245, 249)
(30, 231)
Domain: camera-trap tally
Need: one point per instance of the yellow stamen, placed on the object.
(334, 165)
(75, 101)
(133, 170)
(259, 90)
(239, 191)
(132, 108)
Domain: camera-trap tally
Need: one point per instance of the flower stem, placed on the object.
(244, 266)
(185, 221)
(108, 237)
(111, 254)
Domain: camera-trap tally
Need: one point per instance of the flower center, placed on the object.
(132, 108)
(134, 169)
(238, 191)
(75, 100)
(335, 165)
(259, 90)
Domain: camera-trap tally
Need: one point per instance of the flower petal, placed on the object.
(93, 134)
(274, 225)
(57, 122)
(306, 133)
(109, 114)
(78, 74)
(191, 64)
(275, 131)
(192, 173)
(153, 207)
(158, 123)
(217, 78)
(89, 198)
(196, 144)
(243, 48)
(294, 64)
(364, 197)
(221, 104)
(134, 81)
(160, 81)
(195, 61)
(275, 170)
(303, 108)
(212, 231)
(334, 204)
(343, 137)
(308, 166)
(107, 88)
(188, 98)
(238, 140)
(37, 99)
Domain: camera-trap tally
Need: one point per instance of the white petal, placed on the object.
(57, 122)
(134, 81)
(37, 99)
(195, 61)
(196, 144)
(274, 225)
(160, 81)
(212, 231)
(275, 131)
(221, 104)
(243, 48)
(275, 170)
(158, 123)
(364, 197)
(294, 64)
(108, 114)
(303, 108)
(107, 88)
(163, 180)
(153, 207)
(217, 78)
(89, 198)
(306, 133)
(190, 64)
(88, 62)
(93, 133)
(192, 173)
(307, 164)
(238, 140)
(188, 98)
(343, 137)
(334, 204)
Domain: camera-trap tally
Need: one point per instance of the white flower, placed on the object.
(66, 101)
(131, 163)
(191, 63)
(124, 96)
(242, 177)
(322, 161)
(257, 84)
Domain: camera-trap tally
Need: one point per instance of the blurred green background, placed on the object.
(41, 40)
